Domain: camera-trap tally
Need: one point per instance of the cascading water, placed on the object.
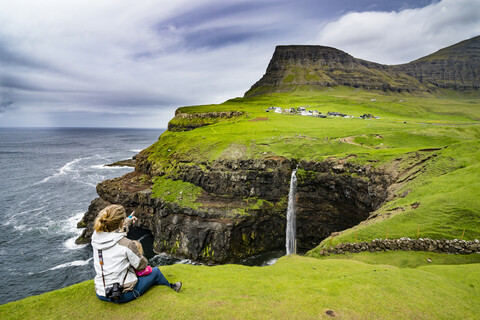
(291, 225)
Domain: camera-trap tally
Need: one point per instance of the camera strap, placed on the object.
(100, 259)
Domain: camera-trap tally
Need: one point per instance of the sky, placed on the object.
(130, 63)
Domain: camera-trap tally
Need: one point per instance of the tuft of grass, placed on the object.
(176, 191)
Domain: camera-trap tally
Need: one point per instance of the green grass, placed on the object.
(447, 187)
(427, 124)
(294, 288)
(183, 193)
(446, 192)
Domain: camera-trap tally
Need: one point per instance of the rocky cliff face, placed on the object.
(225, 227)
(455, 67)
(294, 67)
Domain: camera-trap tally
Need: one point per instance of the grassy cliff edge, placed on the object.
(294, 288)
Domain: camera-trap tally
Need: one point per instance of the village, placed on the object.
(314, 113)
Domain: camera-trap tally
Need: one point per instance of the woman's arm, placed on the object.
(129, 221)
(138, 261)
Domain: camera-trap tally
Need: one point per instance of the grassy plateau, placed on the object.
(443, 129)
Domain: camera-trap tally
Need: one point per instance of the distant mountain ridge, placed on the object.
(456, 67)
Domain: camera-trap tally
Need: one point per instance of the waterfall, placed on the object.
(291, 225)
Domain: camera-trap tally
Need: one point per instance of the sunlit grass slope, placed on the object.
(409, 122)
(440, 202)
(294, 288)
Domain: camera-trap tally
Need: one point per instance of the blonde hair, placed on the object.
(110, 218)
(139, 246)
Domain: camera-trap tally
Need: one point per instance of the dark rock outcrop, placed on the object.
(243, 205)
(334, 196)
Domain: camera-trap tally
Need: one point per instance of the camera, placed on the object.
(114, 293)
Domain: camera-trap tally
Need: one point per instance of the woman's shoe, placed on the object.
(176, 286)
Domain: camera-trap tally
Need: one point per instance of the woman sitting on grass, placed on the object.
(116, 258)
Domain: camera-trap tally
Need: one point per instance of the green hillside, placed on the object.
(445, 130)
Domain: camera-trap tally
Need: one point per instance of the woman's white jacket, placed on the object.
(120, 256)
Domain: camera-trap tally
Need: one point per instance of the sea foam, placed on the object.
(76, 263)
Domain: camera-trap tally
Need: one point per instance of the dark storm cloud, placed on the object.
(6, 105)
(226, 23)
(20, 83)
(218, 37)
(9, 57)
(313, 8)
(223, 24)
(201, 15)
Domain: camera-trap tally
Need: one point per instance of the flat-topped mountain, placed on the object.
(299, 66)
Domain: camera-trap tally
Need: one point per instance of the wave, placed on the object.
(13, 218)
(105, 167)
(86, 183)
(143, 237)
(71, 245)
(76, 263)
(65, 169)
(135, 150)
(71, 224)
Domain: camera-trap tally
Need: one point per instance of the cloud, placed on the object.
(131, 56)
(400, 37)
(6, 105)
(146, 58)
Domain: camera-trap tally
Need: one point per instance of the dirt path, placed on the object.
(350, 141)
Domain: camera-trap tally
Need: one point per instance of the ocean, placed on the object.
(48, 179)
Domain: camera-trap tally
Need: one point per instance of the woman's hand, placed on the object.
(130, 219)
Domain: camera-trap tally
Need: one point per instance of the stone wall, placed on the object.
(454, 246)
